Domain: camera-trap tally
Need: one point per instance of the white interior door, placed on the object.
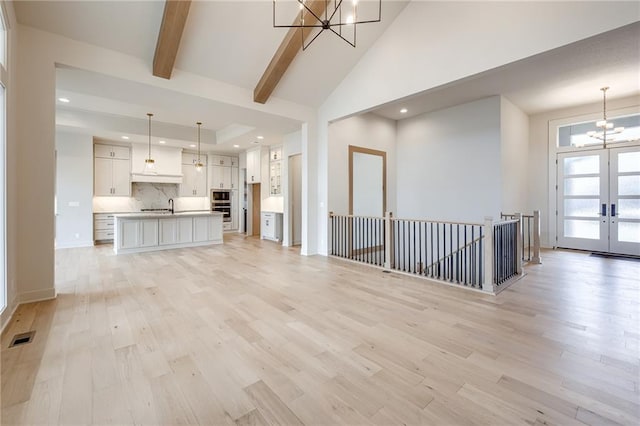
(599, 200)
(583, 200)
(624, 203)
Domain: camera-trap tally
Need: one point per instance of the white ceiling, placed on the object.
(568, 76)
(129, 27)
(233, 42)
(229, 41)
(109, 108)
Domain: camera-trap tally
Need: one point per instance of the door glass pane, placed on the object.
(582, 165)
(582, 207)
(629, 185)
(629, 162)
(629, 232)
(589, 229)
(582, 186)
(629, 209)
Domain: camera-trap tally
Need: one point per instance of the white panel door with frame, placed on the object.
(599, 200)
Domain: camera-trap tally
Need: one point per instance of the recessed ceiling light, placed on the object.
(192, 145)
(162, 142)
(65, 100)
(260, 137)
(236, 146)
(403, 111)
(125, 137)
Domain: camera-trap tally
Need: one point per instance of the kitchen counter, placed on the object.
(151, 215)
(150, 231)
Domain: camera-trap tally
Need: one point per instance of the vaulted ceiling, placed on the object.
(227, 41)
(234, 41)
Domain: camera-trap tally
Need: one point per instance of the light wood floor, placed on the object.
(252, 333)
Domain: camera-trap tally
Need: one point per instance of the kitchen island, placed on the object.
(139, 232)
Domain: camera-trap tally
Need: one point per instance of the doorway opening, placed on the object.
(253, 226)
(295, 198)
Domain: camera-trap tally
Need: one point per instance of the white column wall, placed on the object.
(74, 190)
(514, 144)
(291, 145)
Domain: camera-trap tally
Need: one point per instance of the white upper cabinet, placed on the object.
(194, 182)
(111, 171)
(111, 151)
(253, 165)
(223, 160)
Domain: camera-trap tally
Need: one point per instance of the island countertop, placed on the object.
(161, 215)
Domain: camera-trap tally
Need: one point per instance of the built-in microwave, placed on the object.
(221, 202)
(220, 195)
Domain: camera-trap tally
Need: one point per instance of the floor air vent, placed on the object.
(22, 339)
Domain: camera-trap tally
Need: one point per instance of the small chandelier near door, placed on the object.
(149, 163)
(199, 164)
(608, 131)
(338, 16)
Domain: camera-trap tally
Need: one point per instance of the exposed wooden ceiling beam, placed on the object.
(173, 20)
(285, 54)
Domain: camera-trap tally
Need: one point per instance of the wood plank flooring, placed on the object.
(251, 333)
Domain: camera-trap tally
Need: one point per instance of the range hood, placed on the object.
(155, 178)
(168, 164)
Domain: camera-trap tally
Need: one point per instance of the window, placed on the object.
(576, 134)
(3, 168)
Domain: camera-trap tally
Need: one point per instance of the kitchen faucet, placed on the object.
(171, 204)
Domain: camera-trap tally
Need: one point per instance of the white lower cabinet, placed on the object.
(215, 230)
(129, 234)
(200, 229)
(146, 234)
(271, 226)
(175, 231)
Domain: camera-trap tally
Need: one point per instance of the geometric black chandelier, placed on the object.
(314, 16)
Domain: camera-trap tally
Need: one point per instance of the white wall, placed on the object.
(434, 43)
(449, 163)
(514, 126)
(367, 131)
(539, 155)
(291, 145)
(74, 190)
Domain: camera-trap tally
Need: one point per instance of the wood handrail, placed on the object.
(457, 251)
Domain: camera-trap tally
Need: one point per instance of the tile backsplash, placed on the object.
(149, 196)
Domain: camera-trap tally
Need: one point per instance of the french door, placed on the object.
(599, 200)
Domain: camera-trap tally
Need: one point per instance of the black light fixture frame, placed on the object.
(325, 23)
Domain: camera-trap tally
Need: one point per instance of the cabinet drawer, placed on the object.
(103, 225)
(103, 216)
(103, 235)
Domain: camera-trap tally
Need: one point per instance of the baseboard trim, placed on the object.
(75, 245)
(37, 295)
(5, 318)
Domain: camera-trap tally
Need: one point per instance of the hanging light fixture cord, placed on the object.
(150, 115)
(199, 124)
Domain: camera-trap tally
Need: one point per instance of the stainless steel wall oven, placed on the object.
(221, 202)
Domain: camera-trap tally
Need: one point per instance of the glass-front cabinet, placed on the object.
(275, 171)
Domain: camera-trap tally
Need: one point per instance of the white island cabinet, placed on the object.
(138, 232)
